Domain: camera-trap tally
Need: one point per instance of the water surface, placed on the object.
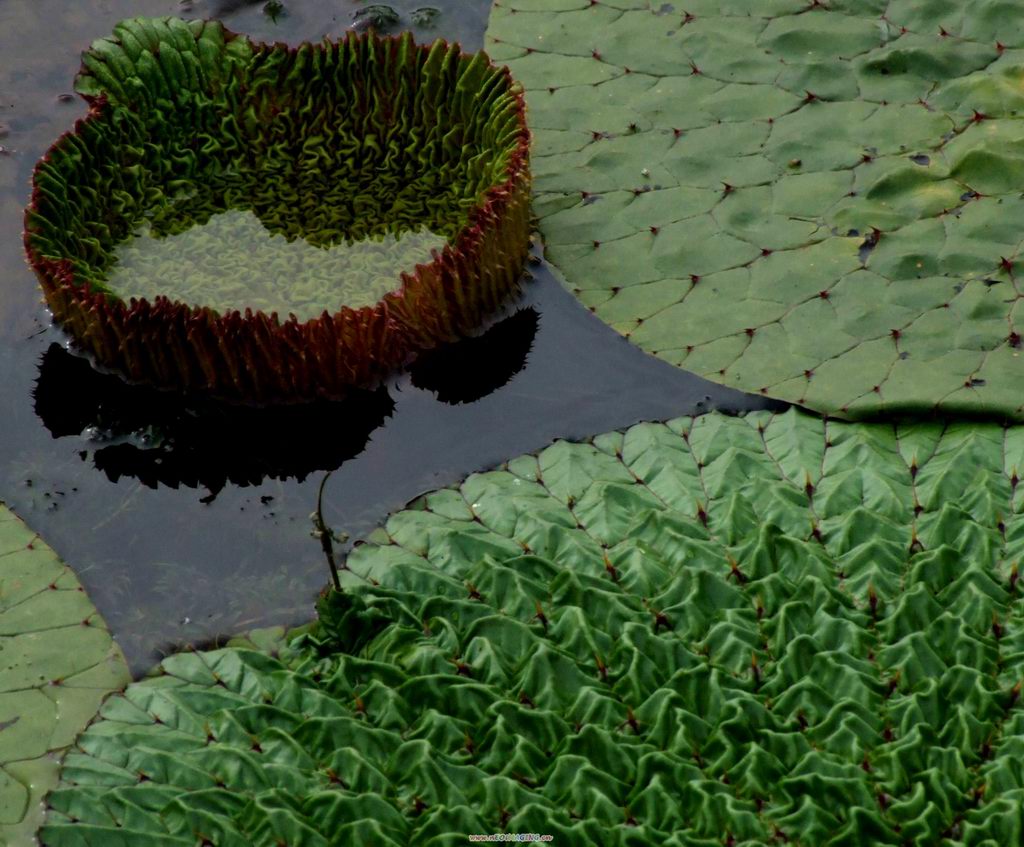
(183, 532)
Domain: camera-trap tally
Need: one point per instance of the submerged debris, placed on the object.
(378, 17)
(425, 17)
(274, 9)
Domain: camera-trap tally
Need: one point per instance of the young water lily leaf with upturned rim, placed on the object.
(378, 188)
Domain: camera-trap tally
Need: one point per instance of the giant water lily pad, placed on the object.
(57, 663)
(819, 201)
(263, 222)
(754, 630)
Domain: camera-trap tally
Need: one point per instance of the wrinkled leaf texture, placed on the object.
(757, 628)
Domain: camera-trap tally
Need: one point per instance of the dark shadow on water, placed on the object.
(162, 438)
(474, 367)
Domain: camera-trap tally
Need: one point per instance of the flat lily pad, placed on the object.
(815, 201)
(57, 663)
(755, 630)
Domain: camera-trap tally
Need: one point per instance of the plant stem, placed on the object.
(326, 542)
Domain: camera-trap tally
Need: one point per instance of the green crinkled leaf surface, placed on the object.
(742, 630)
(816, 201)
(57, 663)
(271, 223)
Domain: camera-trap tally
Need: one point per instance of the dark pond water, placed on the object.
(187, 522)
